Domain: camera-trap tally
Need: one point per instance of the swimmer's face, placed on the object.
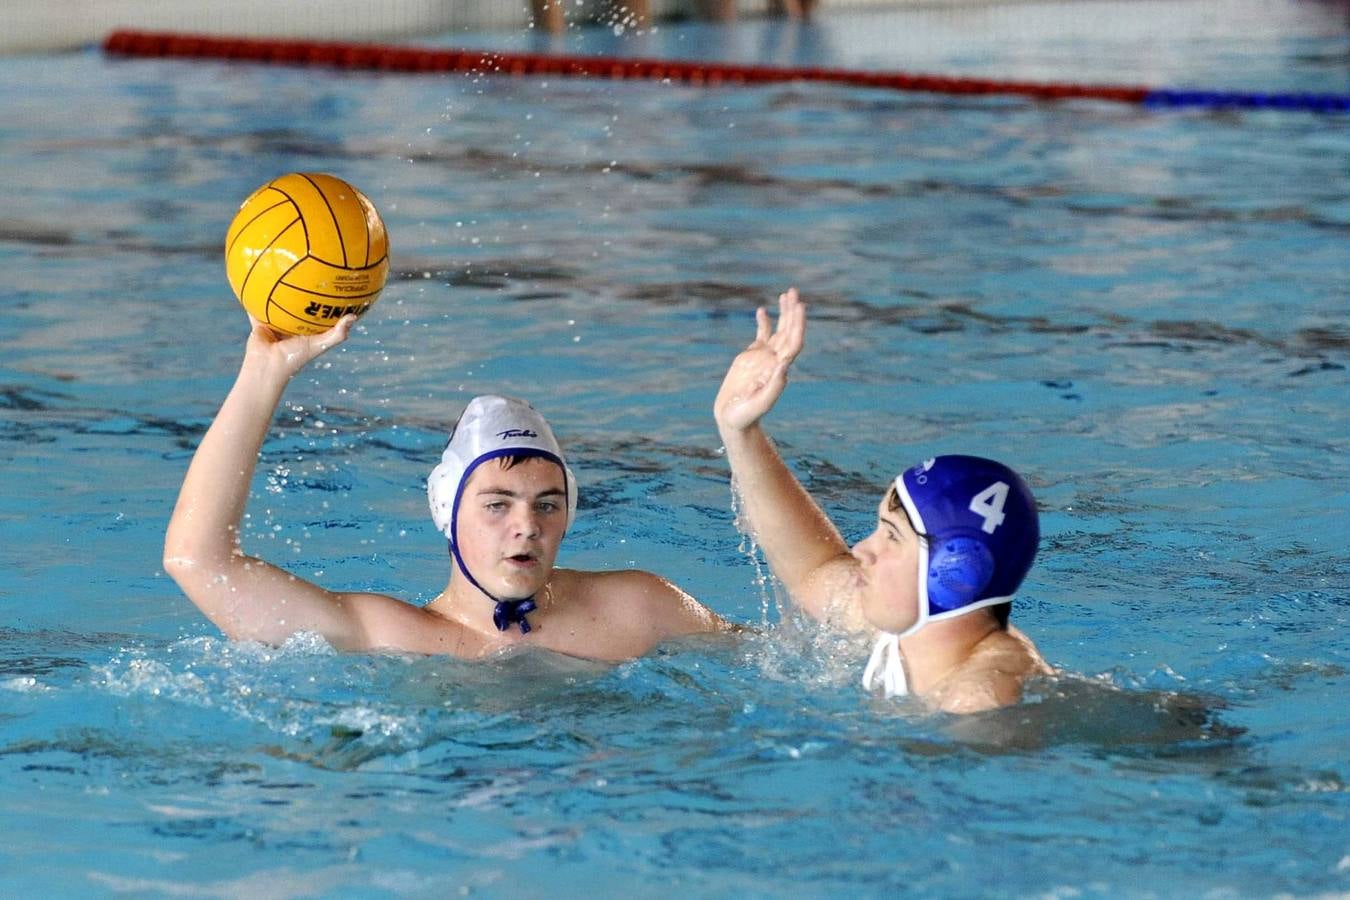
(511, 521)
(888, 569)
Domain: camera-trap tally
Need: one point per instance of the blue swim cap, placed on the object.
(980, 526)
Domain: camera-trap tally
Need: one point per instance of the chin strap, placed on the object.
(507, 612)
(513, 612)
(886, 667)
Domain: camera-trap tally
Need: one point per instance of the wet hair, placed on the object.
(511, 460)
(1000, 611)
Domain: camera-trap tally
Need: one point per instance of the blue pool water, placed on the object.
(1145, 312)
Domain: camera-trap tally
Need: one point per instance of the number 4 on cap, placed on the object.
(988, 505)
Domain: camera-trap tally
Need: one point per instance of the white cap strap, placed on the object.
(886, 667)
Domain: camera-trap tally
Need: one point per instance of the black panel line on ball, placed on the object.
(243, 285)
(284, 275)
(366, 209)
(249, 223)
(337, 226)
(334, 297)
(304, 227)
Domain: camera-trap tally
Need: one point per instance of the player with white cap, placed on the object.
(933, 583)
(502, 494)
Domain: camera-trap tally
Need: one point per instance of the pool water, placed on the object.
(1143, 311)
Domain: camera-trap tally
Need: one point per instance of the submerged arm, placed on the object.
(803, 547)
(246, 597)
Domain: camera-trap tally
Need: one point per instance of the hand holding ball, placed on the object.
(306, 250)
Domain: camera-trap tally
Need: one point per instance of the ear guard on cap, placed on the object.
(446, 483)
(959, 568)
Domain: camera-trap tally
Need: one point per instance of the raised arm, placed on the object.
(246, 597)
(801, 544)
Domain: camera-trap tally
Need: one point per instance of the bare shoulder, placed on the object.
(636, 600)
(1012, 651)
(992, 676)
(387, 623)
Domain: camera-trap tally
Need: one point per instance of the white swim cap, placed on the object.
(491, 427)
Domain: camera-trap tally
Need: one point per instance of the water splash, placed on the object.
(764, 581)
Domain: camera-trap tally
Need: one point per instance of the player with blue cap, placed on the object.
(955, 537)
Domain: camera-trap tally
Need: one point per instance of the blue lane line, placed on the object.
(1324, 103)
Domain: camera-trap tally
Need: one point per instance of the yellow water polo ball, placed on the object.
(305, 250)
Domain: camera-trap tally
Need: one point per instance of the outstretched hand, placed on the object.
(757, 376)
(291, 353)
